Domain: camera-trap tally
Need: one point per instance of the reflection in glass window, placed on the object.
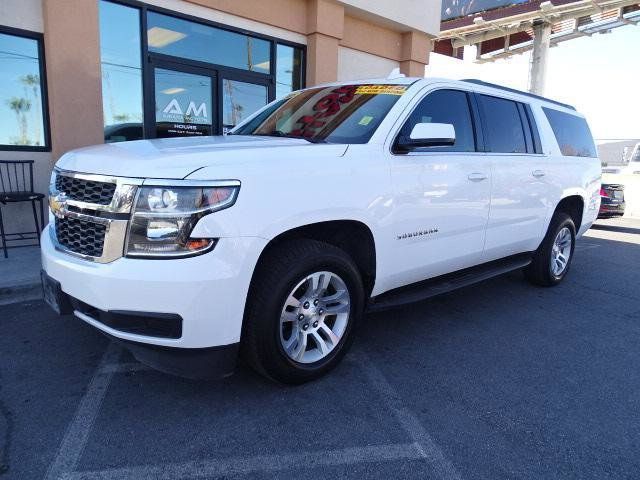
(503, 128)
(21, 109)
(336, 114)
(121, 72)
(572, 133)
(183, 104)
(289, 70)
(241, 99)
(185, 39)
(445, 106)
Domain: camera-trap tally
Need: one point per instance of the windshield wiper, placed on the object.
(280, 133)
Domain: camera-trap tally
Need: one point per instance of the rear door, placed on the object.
(441, 194)
(519, 191)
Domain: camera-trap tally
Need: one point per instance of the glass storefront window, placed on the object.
(185, 39)
(241, 99)
(288, 70)
(121, 72)
(183, 45)
(183, 104)
(21, 103)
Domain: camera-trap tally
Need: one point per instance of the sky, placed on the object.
(599, 75)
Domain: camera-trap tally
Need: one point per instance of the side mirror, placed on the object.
(428, 135)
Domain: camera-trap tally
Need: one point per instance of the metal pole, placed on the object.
(538, 63)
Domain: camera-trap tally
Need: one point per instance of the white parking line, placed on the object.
(78, 431)
(430, 451)
(261, 463)
(77, 434)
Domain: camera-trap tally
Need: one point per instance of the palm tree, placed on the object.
(121, 117)
(33, 81)
(21, 106)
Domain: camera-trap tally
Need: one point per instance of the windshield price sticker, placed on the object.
(381, 89)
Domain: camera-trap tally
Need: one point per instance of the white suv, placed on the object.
(273, 240)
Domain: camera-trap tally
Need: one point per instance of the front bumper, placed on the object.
(207, 292)
(195, 363)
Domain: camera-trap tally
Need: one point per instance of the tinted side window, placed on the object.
(445, 106)
(572, 133)
(502, 125)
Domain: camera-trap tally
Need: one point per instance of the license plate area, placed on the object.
(54, 296)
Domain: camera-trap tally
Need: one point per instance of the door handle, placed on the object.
(477, 177)
(538, 173)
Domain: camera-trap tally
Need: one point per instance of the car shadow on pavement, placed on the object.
(615, 228)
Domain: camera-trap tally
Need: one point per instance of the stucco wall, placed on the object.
(25, 14)
(421, 15)
(355, 65)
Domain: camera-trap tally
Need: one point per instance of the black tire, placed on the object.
(277, 274)
(539, 271)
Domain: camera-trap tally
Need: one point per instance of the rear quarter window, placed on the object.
(572, 133)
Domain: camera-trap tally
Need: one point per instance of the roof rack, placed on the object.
(519, 92)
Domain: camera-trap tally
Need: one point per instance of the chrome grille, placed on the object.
(82, 190)
(81, 236)
(91, 214)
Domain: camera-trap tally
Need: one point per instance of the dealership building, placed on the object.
(82, 72)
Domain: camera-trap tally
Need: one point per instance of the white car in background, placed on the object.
(633, 168)
(336, 200)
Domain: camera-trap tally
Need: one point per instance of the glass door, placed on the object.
(241, 96)
(184, 101)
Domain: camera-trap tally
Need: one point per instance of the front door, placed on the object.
(184, 101)
(442, 194)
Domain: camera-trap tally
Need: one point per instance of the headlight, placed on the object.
(164, 217)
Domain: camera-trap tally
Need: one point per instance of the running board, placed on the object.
(446, 283)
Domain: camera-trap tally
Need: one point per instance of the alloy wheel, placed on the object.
(314, 317)
(561, 252)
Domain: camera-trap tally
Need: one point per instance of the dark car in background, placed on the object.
(611, 200)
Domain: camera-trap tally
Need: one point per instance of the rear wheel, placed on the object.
(302, 308)
(552, 259)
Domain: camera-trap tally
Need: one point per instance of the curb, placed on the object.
(20, 293)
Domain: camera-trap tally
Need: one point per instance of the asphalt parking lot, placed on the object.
(499, 380)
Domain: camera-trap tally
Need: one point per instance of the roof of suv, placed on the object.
(401, 80)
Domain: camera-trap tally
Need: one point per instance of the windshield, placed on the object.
(343, 114)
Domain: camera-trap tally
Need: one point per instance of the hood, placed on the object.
(176, 158)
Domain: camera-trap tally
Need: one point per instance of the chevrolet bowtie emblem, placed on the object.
(58, 204)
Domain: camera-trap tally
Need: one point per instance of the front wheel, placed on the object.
(552, 259)
(302, 308)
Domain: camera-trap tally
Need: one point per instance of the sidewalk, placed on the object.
(20, 275)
